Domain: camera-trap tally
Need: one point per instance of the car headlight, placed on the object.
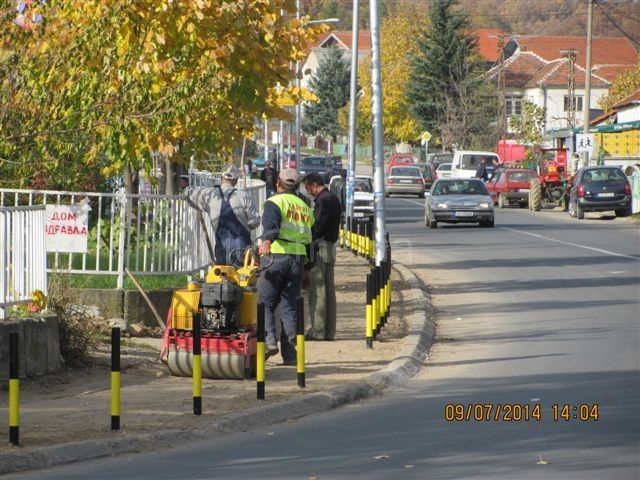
(442, 205)
(483, 205)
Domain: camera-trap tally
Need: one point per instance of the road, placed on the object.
(542, 310)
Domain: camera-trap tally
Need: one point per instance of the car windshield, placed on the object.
(521, 176)
(603, 175)
(471, 161)
(314, 162)
(363, 185)
(460, 187)
(405, 172)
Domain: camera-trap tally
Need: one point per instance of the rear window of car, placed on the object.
(603, 175)
(363, 185)
(444, 166)
(405, 172)
(460, 187)
(520, 176)
(471, 162)
(314, 162)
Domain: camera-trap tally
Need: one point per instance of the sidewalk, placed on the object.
(75, 406)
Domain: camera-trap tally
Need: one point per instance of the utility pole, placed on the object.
(587, 82)
(570, 55)
(298, 104)
(502, 92)
(378, 132)
(353, 108)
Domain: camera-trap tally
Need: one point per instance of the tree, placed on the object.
(528, 127)
(331, 85)
(625, 84)
(103, 84)
(447, 91)
(398, 35)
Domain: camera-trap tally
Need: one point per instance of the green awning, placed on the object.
(612, 127)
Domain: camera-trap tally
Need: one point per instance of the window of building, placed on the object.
(578, 103)
(513, 105)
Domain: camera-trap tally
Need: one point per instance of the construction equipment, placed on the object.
(227, 303)
(553, 182)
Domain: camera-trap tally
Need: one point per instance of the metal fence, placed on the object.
(147, 234)
(22, 256)
(635, 191)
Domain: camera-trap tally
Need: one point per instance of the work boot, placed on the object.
(270, 351)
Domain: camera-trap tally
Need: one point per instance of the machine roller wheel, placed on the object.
(214, 365)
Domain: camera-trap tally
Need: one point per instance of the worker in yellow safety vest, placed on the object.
(286, 223)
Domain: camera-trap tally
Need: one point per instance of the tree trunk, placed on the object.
(170, 177)
(131, 182)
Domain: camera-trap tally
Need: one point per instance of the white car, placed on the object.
(362, 195)
(444, 170)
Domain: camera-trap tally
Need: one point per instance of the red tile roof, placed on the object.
(519, 69)
(556, 74)
(488, 40)
(610, 72)
(629, 99)
(604, 51)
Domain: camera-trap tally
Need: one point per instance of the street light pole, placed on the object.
(587, 79)
(378, 131)
(298, 105)
(353, 109)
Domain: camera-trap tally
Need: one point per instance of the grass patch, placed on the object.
(147, 282)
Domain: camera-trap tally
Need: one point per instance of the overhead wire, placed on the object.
(614, 23)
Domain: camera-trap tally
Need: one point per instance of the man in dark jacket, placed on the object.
(322, 291)
(481, 171)
(269, 177)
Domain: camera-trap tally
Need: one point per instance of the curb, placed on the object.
(414, 349)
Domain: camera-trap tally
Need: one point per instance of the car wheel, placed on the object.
(433, 224)
(421, 195)
(623, 212)
(501, 202)
(579, 211)
(523, 204)
(572, 210)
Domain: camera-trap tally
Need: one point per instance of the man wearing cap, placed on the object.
(232, 213)
(286, 223)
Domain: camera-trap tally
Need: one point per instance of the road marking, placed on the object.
(413, 201)
(607, 252)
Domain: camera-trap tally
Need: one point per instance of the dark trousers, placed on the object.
(280, 284)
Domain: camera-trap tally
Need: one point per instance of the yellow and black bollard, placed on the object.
(115, 378)
(197, 364)
(369, 312)
(260, 352)
(300, 342)
(14, 390)
(376, 302)
(381, 304)
(341, 232)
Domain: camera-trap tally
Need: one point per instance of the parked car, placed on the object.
(363, 202)
(510, 185)
(600, 189)
(315, 164)
(428, 173)
(405, 179)
(443, 170)
(458, 200)
(465, 162)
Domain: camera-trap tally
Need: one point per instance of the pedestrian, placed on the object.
(268, 176)
(322, 291)
(497, 166)
(481, 171)
(286, 221)
(232, 213)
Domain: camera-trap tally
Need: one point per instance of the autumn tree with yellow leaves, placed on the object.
(98, 84)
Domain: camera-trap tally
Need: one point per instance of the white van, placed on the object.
(465, 162)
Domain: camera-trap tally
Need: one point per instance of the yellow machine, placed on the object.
(227, 303)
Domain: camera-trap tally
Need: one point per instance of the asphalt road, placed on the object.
(542, 310)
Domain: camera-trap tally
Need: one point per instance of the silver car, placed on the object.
(458, 200)
(405, 179)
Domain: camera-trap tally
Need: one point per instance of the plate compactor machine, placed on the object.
(227, 303)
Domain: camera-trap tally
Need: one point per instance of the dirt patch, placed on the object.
(75, 405)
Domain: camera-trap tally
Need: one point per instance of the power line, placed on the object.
(613, 22)
(619, 12)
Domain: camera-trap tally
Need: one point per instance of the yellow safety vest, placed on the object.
(296, 220)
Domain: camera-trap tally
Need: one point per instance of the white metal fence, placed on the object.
(147, 234)
(635, 190)
(22, 255)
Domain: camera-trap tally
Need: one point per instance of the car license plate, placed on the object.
(606, 194)
(358, 214)
(406, 181)
(524, 190)
(464, 214)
